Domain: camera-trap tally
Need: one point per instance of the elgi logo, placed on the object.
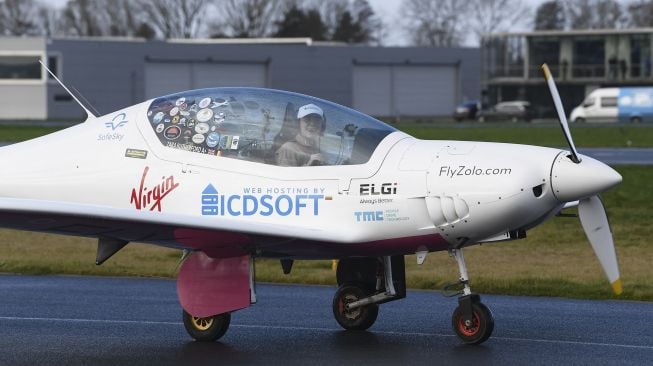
(367, 189)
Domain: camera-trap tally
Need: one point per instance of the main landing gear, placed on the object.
(207, 329)
(364, 283)
(472, 320)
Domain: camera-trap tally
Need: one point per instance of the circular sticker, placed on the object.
(204, 115)
(205, 102)
(202, 128)
(198, 138)
(175, 119)
(149, 113)
(158, 117)
(183, 106)
(180, 101)
(213, 139)
(174, 111)
(159, 127)
(172, 132)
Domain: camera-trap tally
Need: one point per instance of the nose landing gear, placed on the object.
(472, 320)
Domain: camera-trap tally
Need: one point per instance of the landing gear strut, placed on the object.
(472, 320)
(364, 284)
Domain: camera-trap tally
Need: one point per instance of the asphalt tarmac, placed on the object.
(94, 320)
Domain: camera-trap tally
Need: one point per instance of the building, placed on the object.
(112, 73)
(580, 61)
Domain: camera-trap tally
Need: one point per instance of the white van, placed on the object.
(629, 104)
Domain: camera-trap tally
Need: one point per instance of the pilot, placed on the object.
(304, 150)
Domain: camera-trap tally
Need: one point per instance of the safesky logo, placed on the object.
(215, 204)
(118, 121)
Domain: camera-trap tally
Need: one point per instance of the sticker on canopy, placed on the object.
(158, 118)
(204, 115)
(202, 128)
(172, 132)
(205, 102)
(213, 139)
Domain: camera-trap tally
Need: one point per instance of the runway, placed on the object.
(95, 320)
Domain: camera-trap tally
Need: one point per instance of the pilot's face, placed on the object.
(310, 126)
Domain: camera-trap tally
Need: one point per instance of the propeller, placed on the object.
(583, 181)
(561, 112)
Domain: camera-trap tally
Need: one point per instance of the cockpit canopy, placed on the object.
(254, 124)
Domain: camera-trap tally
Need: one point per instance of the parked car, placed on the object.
(467, 110)
(630, 104)
(517, 110)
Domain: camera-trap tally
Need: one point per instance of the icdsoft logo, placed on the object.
(292, 202)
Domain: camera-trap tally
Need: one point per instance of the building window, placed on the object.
(640, 56)
(54, 65)
(20, 68)
(589, 58)
(544, 50)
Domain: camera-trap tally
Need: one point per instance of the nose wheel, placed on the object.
(472, 320)
(475, 327)
(207, 329)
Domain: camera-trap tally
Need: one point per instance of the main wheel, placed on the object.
(207, 329)
(356, 319)
(481, 325)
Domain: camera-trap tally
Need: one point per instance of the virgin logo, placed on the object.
(150, 198)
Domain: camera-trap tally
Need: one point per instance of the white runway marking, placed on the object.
(249, 326)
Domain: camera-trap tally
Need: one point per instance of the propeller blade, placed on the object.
(595, 223)
(561, 112)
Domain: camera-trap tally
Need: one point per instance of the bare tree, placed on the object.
(175, 18)
(489, 16)
(640, 14)
(248, 18)
(550, 15)
(83, 18)
(595, 14)
(435, 22)
(20, 17)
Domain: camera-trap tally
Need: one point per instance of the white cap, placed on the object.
(309, 109)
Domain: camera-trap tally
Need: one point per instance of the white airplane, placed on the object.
(233, 174)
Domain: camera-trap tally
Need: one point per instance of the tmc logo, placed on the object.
(368, 216)
(117, 121)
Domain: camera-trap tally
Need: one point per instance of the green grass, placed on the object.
(17, 133)
(542, 135)
(548, 134)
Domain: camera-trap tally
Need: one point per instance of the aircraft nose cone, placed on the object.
(571, 181)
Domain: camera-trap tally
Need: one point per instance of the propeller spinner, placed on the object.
(573, 178)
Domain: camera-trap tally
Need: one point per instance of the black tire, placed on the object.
(207, 329)
(635, 120)
(579, 120)
(356, 319)
(480, 330)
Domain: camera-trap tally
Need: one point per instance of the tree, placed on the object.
(489, 16)
(21, 17)
(641, 14)
(173, 18)
(550, 16)
(357, 24)
(435, 23)
(247, 18)
(299, 23)
(595, 14)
